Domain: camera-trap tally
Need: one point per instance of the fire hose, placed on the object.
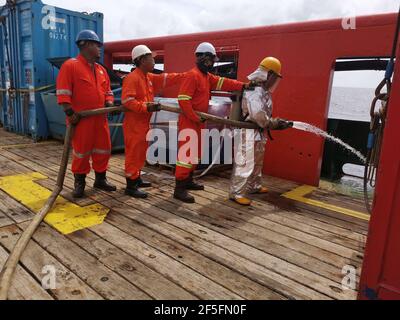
(214, 119)
(14, 257)
(10, 266)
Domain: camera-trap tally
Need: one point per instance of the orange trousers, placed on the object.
(91, 140)
(189, 149)
(136, 147)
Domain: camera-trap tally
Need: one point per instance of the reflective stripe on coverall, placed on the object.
(194, 95)
(137, 90)
(87, 87)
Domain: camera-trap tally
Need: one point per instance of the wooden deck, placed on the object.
(159, 248)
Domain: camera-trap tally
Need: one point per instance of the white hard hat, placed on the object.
(206, 47)
(139, 51)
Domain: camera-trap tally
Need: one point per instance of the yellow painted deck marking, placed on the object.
(299, 194)
(66, 217)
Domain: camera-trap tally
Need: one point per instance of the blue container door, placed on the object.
(2, 80)
(31, 125)
(33, 34)
(11, 114)
(55, 29)
(19, 71)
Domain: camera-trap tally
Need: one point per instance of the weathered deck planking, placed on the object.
(159, 248)
(24, 286)
(67, 287)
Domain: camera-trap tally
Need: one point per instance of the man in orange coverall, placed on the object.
(138, 90)
(194, 95)
(83, 84)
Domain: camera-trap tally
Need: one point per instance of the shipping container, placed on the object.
(34, 36)
(2, 81)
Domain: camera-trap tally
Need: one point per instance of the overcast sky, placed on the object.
(129, 19)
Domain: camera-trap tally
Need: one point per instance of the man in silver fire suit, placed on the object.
(250, 144)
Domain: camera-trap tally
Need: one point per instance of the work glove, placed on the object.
(251, 85)
(73, 117)
(153, 107)
(279, 124)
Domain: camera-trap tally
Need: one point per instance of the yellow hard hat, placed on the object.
(273, 64)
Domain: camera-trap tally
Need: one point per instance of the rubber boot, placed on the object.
(243, 201)
(192, 185)
(79, 186)
(133, 191)
(263, 190)
(181, 191)
(102, 183)
(144, 184)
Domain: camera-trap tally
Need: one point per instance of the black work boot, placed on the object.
(144, 184)
(102, 183)
(79, 186)
(133, 191)
(192, 185)
(181, 192)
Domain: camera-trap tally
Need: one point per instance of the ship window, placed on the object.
(227, 66)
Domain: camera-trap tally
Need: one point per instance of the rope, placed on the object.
(24, 90)
(374, 149)
(378, 122)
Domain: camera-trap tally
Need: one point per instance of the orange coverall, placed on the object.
(85, 87)
(137, 90)
(195, 95)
